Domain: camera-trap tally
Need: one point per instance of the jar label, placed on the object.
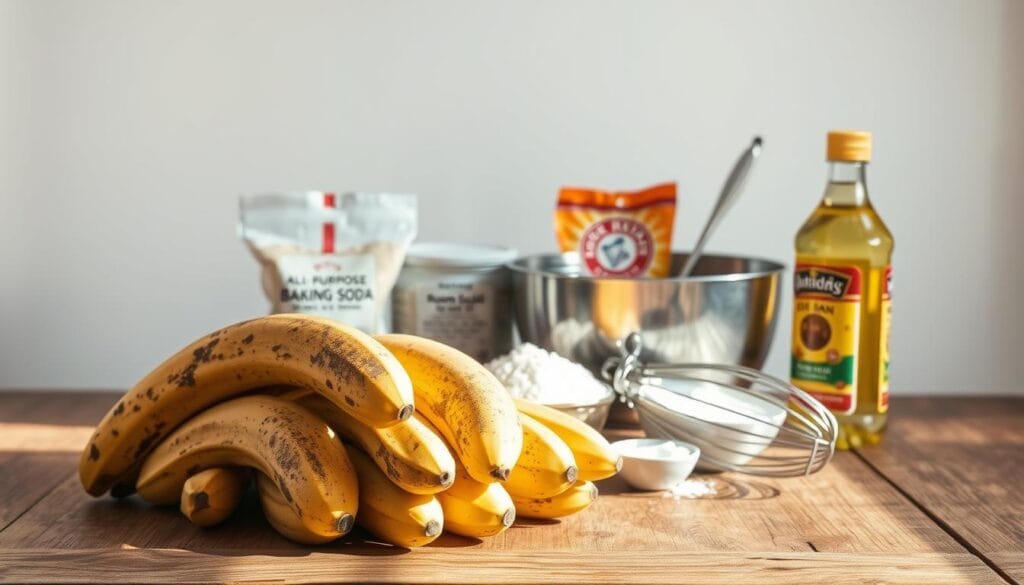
(460, 314)
(329, 285)
(826, 332)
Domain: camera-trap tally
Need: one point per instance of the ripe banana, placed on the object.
(412, 455)
(575, 499)
(280, 439)
(345, 365)
(472, 508)
(210, 496)
(282, 517)
(546, 468)
(595, 458)
(476, 509)
(467, 404)
(398, 517)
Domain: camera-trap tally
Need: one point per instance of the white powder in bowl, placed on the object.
(537, 375)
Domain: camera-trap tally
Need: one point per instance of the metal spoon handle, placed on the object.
(732, 187)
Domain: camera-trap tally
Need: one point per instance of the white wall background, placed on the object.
(127, 129)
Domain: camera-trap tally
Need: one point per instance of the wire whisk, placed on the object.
(742, 419)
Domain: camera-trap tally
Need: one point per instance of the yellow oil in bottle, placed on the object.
(842, 298)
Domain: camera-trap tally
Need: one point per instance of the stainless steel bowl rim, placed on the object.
(773, 267)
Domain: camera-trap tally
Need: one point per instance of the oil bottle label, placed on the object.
(826, 333)
(883, 345)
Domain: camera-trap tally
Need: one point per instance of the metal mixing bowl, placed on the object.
(724, 313)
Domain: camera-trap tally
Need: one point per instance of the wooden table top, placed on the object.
(939, 502)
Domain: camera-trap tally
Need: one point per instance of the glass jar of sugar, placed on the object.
(458, 294)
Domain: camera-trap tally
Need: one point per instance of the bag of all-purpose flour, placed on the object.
(327, 254)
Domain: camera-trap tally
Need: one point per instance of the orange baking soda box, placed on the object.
(618, 233)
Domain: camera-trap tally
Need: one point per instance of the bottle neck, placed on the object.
(847, 185)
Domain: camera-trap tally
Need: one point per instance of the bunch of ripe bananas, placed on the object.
(403, 435)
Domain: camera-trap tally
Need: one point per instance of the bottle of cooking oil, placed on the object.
(842, 294)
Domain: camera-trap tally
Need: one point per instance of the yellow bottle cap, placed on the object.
(849, 145)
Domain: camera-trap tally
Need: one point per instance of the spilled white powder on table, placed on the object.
(538, 375)
(694, 489)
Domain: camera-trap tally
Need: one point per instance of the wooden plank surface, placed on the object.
(848, 509)
(962, 460)
(443, 566)
(40, 439)
(846, 524)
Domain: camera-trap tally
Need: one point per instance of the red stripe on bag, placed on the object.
(327, 239)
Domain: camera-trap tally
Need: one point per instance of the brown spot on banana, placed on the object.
(314, 460)
(385, 455)
(283, 487)
(287, 458)
(200, 355)
(340, 365)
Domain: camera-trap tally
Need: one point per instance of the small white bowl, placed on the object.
(656, 464)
